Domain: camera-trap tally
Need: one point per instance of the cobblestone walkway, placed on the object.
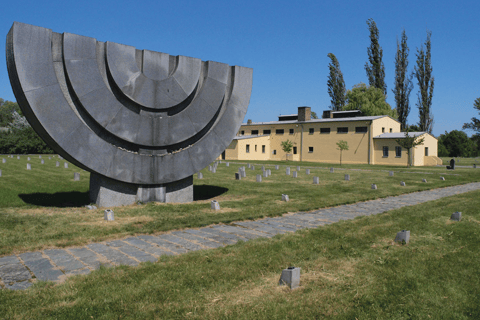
(17, 271)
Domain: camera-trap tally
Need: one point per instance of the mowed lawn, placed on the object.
(349, 270)
(44, 207)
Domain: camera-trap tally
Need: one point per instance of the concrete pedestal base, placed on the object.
(106, 192)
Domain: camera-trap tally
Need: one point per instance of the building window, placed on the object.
(360, 129)
(292, 131)
(342, 130)
(398, 152)
(242, 132)
(255, 148)
(324, 130)
(311, 131)
(385, 152)
(426, 151)
(263, 148)
(391, 130)
(248, 148)
(274, 152)
(383, 129)
(279, 131)
(267, 131)
(254, 132)
(294, 150)
(310, 149)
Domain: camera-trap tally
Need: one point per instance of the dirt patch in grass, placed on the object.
(99, 222)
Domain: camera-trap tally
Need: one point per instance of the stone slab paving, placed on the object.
(17, 272)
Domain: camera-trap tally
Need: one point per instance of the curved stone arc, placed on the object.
(151, 93)
(145, 129)
(43, 101)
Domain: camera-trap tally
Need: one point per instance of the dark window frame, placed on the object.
(267, 131)
(361, 129)
(311, 130)
(247, 148)
(254, 132)
(325, 130)
(279, 131)
(294, 150)
(385, 151)
(342, 129)
(310, 149)
(398, 152)
(263, 148)
(291, 131)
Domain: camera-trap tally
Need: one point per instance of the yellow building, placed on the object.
(371, 140)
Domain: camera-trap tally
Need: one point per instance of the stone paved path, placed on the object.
(16, 271)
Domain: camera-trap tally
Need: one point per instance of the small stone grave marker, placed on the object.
(403, 236)
(424, 180)
(238, 176)
(49, 158)
(18, 157)
(316, 180)
(243, 173)
(456, 216)
(57, 163)
(65, 165)
(28, 158)
(298, 168)
(474, 166)
(402, 183)
(214, 170)
(347, 177)
(210, 168)
(374, 186)
(259, 178)
(76, 176)
(200, 175)
(269, 173)
(277, 167)
(249, 165)
(295, 174)
(390, 173)
(108, 215)
(332, 170)
(215, 205)
(290, 277)
(4, 160)
(29, 166)
(307, 171)
(285, 197)
(252, 167)
(263, 168)
(287, 171)
(39, 157)
(227, 164)
(0, 173)
(442, 178)
(265, 174)
(42, 161)
(90, 207)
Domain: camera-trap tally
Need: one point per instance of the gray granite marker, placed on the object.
(295, 174)
(277, 167)
(238, 176)
(287, 171)
(402, 183)
(65, 165)
(390, 173)
(374, 186)
(347, 177)
(456, 216)
(29, 166)
(259, 178)
(4, 160)
(285, 197)
(200, 175)
(332, 170)
(214, 205)
(307, 171)
(316, 180)
(403, 236)
(76, 176)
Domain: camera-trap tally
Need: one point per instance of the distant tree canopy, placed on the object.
(368, 99)
(18, 136)
(456, 144)
(314, 115)
(475, 124)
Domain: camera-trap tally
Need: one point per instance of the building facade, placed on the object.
(371, 140)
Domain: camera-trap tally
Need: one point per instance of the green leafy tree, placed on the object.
(403, 82)
(314, 115)
(369, 100)
(336, 84)
(456, 144)
(408, 142)
(425, 80)
(475, 124)
(7, 108)
(342, 145)
(287, 146)
(374, 67)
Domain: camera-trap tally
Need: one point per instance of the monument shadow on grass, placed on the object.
(57, 199)
(205, 192)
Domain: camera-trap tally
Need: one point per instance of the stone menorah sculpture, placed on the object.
(142, 122)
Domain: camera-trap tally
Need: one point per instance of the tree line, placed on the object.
(16, 134)
(371, 99)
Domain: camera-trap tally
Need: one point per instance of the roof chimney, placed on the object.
(249, 121)
(304, 113)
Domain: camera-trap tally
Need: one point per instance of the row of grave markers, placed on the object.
(76, 175)
(267, 172)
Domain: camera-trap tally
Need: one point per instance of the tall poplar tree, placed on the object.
(423, 73)
(374, 67)
(336, 84)
(403, 82)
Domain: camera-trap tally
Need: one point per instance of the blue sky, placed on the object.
(285, 42)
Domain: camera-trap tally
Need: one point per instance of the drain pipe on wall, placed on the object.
(301, 144)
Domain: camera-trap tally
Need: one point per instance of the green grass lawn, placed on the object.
(44, 207)
(461, 161)
(349, 270)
